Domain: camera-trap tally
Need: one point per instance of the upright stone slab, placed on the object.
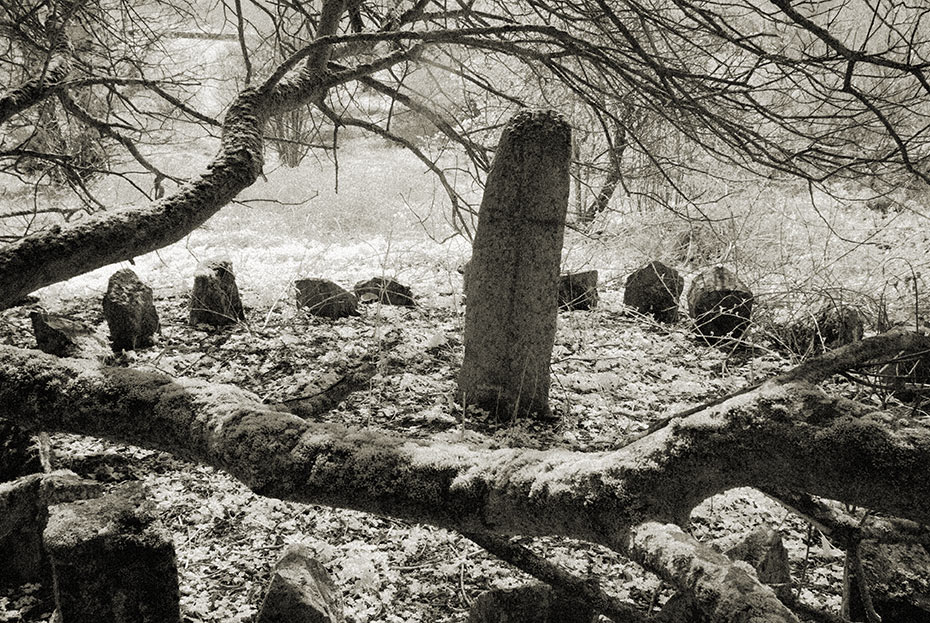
(215, 296)
(112, 560)
(654, 289)
(23, 516)
(513, 278)
(130, 311)
(578, 291)
(322, 297)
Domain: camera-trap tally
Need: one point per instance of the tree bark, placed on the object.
(786, 434)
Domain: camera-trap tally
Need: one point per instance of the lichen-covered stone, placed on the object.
(130, 311)
(654, 290)
(112, 560)
(301, 591)
(57, 335)
(322, 297)
(578, 291)
(513, 276)
(720, 304)
(215, 297)
(23, 514)
(385, 291)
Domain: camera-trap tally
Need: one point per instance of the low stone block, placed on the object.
(578, 291)
(720, 304)
(385, 291)
(57, 335)
(130, 311)
(215, 297)
(654, 290)
(301, 591)
(532, 603)
(23, 516)
(322, 297)
(112, 560)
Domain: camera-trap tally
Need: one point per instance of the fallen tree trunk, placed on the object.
(786, 434)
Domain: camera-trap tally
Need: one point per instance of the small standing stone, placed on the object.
(57, 335)
(215, 297)
(655, 289)
(720, 304)
(112, 560)
(578, 291)
(839, 325)
(130, 311)
(301, 591)
(322, 297)
(386, 291)
(764, 549)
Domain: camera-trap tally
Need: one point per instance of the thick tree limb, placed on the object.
(55, 72)
(58, 254)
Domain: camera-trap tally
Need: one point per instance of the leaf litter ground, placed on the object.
(614, 373)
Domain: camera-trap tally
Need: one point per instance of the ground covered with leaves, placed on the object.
(614, 372)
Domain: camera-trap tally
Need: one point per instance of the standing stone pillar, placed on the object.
(513, 281)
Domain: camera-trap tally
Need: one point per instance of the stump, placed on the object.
(654, 289)
(215, 296)
(384, 291)
(322, 297)
(720, 304)
(112, 560)
(578, 291)
(513, 277)
(130, 311)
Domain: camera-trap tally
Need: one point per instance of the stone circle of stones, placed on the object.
(720, 304)
(654, 290)
(129, 311)
(215, 296)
